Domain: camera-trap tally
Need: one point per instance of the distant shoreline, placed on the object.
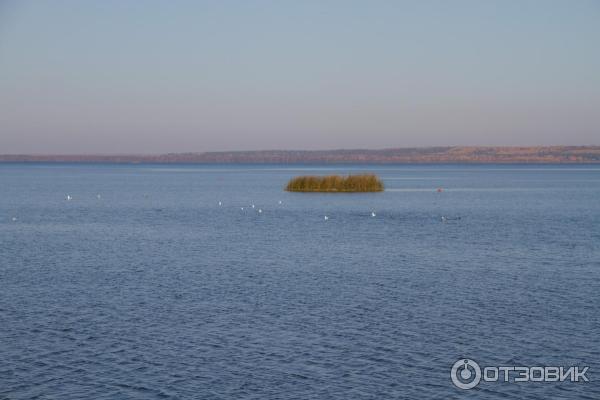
(414, 155)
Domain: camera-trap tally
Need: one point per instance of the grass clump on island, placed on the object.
(335, 183)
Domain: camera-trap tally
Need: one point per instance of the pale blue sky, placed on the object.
(173, 76)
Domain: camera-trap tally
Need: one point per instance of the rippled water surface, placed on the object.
(142, 286)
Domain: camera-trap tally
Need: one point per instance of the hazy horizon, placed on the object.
(170, 77)
(138, 153)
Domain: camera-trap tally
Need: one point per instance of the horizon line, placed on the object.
(142, 154)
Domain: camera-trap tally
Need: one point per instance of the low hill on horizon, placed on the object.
(441, 155)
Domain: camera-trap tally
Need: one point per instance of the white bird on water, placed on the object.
(326, 218)
(252, 205)
(373, 214)
(14, 219)
(220, 203)
(242, 208)
(259, 210)
(280, 201)
(444, 219)
(69, 197)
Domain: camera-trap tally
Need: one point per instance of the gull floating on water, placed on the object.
(373, 214)
(69, 197)
(259, 210)
(242, 208)
(220, 203)
(252, 205)
(280, 201)
(14, 218)
(444, 219)
(326, 218)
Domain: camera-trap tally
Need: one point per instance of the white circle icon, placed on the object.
(465, 374)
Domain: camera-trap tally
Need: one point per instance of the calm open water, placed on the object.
(153, 290)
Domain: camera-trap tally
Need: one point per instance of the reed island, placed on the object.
(335, 184)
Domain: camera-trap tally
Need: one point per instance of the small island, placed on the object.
(335, 184)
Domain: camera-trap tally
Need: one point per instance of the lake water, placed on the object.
(142, 286)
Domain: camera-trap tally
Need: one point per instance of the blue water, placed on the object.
(153, 290)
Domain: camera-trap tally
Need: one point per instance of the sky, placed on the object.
(192, 76)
